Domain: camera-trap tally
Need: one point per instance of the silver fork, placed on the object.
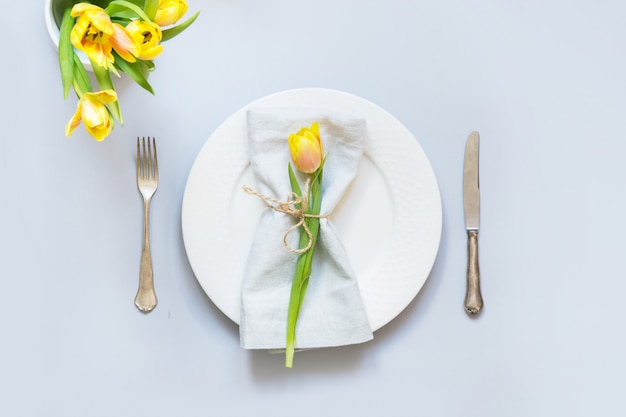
(147, 182)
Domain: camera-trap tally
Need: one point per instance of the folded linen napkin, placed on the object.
(332, 313)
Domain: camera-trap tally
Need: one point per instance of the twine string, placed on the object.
(295, 205)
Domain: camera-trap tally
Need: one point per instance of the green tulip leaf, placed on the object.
(82, 82)
(66, 53)
(126, 9)
(176, 30)
(134, 70)
(151, 7)
(138, 3)
(148, 66)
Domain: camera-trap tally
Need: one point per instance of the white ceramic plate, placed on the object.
(389, 220)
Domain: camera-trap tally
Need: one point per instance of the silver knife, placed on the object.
(471, 205)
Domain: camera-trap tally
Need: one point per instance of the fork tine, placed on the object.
(150, 161)
(146, 159)
(147, 162)
(156, 163)
(138, 160)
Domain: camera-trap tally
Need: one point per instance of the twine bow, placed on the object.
(295, 206)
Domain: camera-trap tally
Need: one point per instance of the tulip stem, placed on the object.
(303, 266)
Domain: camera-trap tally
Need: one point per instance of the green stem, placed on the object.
(103, 76)
(303, 267)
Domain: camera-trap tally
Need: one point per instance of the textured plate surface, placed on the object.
(389, 220)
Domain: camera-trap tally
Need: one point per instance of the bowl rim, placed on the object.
(51, 25)
(54, 32)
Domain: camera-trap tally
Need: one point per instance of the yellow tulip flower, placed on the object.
(92, 33)
(169, 12)
(148, 36)
(91, 109)
(124, 44)
(306, 148)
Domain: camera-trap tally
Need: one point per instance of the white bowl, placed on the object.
(53, 31)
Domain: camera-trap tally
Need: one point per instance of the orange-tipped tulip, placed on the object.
(91, 109)
(306, 148)
(124, 44)
(170, 12)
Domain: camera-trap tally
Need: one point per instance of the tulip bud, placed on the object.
(306, 148)
(169, 12)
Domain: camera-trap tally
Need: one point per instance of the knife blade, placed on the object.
(471, 205)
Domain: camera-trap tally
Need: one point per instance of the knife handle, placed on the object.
(473, 298)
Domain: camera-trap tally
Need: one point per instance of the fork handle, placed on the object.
(146, 300)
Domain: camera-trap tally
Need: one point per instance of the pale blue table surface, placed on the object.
(543, 82)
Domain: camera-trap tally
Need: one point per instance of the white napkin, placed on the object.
(332, 313)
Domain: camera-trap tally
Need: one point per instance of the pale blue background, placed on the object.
(543, 82)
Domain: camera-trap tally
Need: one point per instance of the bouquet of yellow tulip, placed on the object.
(307, 154)
(117, 36)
